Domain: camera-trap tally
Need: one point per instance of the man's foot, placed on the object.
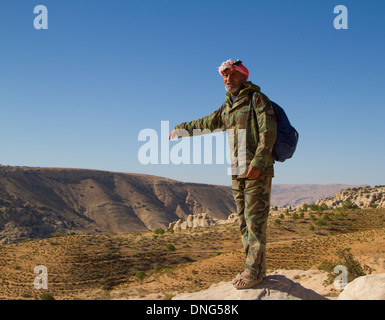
(236, 279)
(245, 281)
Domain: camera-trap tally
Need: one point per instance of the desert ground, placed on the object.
(157, 266)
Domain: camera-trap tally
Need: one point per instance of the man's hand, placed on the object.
(172, 135)
(253, 173)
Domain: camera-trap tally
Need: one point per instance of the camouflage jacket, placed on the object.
(260, 126)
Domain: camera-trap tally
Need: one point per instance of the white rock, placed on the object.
(371, 287)
(274, 287)
(201, 220)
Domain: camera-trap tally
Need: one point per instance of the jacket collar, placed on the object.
(250, 87)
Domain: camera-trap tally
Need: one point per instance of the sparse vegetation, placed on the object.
(170, 247)
(347, 260)
(159, 231)
(322, 221)
(348, 204)
(140, 275)
(157, 269)
(168, 296)
(46, 296)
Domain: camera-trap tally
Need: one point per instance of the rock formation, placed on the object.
(274, 287)
(200, 220)
(371, 287)
(364, 197)
(282, 287)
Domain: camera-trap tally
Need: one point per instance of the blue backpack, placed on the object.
(287, 135)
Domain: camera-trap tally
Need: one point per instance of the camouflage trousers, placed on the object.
(252, 198)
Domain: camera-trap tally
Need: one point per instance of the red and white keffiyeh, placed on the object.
(233, 65)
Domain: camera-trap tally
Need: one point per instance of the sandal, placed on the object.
(236, 279)
(249, 283)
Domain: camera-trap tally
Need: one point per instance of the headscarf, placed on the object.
(233, 65)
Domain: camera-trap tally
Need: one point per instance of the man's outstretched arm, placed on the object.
(212, 122)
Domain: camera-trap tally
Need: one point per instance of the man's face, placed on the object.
(233, 81)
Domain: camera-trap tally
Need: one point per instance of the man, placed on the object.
(248, 109)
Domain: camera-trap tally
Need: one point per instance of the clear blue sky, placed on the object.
(77, 94)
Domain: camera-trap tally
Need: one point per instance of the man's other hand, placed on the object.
(253, 173)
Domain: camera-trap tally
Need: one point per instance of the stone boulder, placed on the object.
(371, 287)
(274, 287)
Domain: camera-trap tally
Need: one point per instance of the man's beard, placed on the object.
(234, 89)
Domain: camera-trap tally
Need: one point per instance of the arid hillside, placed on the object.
(39, 202)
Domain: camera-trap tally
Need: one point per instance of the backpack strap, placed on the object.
(275, 157)
(252, 98)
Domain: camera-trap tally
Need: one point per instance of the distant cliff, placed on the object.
(297, 194)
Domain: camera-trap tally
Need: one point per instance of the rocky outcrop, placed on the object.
(280, 209)
(364, 197)
(200, 220)
(274, 287)
(371, 287)
(281, 287)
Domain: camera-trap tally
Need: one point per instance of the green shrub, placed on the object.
(346, 259)
(170, 247)
(168, 296)
(159, 231)
(321, 222)
(348, 204)
(156, 269)
(46, 296)
(140, 275)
